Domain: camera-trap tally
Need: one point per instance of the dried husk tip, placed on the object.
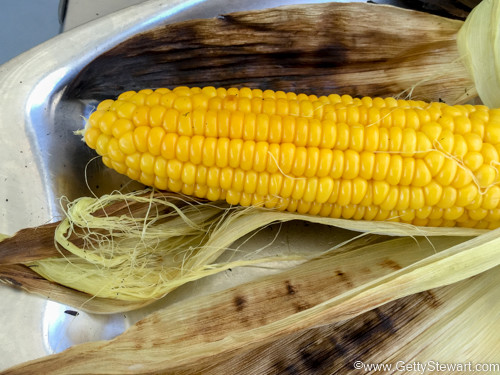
(479, 45)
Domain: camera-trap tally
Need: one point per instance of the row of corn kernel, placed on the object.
(413, 204)
(296, 160)
(316, 188)
(151, 98)
(301, 161)
(468, 148)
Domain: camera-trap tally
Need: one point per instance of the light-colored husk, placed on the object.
(479, 45)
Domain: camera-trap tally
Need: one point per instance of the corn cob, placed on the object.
(427, 164)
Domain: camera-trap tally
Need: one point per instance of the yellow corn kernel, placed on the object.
(147, 163)
(213, 177)
(395, 138)
(155, 140)
(466, 195)
(485, 175)
(447, 172)
(275, 184)
(359, 190)
(380, 192)
(312, 164)
(367, 165)
(391, 200)
(91, 136)
(156, 115)
(490, 154)
(209, 151)
(185, 125)
(101, 145)
(126, 95)
(260, 156)
(474, 142)
(448, 198)
(343, 137)
(133, 161)
(314, 136)
(310, 190)
(395, 170)
(473, 160)
(492, 132)
(345, 193)
(422, 175)
(122, 126)
(160, 167)
(171, 120)
(459, 146)
(432, 193)
(324, 190)
(222, 125)
(299, 162)
(106, 122)
(351, 164)
(417, 197)
(383, 139)
(381, 167)
(114, 152)
(403, 202)
(491, 198)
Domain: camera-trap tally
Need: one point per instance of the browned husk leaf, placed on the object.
(356, 49)
(207, 330)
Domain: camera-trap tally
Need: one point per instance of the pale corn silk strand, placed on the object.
(479, 45)
(140, 257)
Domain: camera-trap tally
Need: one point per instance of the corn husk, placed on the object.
(355, 49)
(479, 45)
(336, 287)
(451, 326)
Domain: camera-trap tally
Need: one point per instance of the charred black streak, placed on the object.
(339, 349)
(321, 354)
(290, 289)
(231, 20)
(240, 303)
(301, 306)
(285, 368)
(298, 303)
(345, 279)
(388, 263)
(11, 281)
(372, 326)
(431, 299)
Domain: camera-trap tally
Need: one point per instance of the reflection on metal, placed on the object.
(63, 326)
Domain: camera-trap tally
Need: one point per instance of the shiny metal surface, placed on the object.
(43, 160)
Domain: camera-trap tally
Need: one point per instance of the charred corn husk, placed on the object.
(428, 164)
